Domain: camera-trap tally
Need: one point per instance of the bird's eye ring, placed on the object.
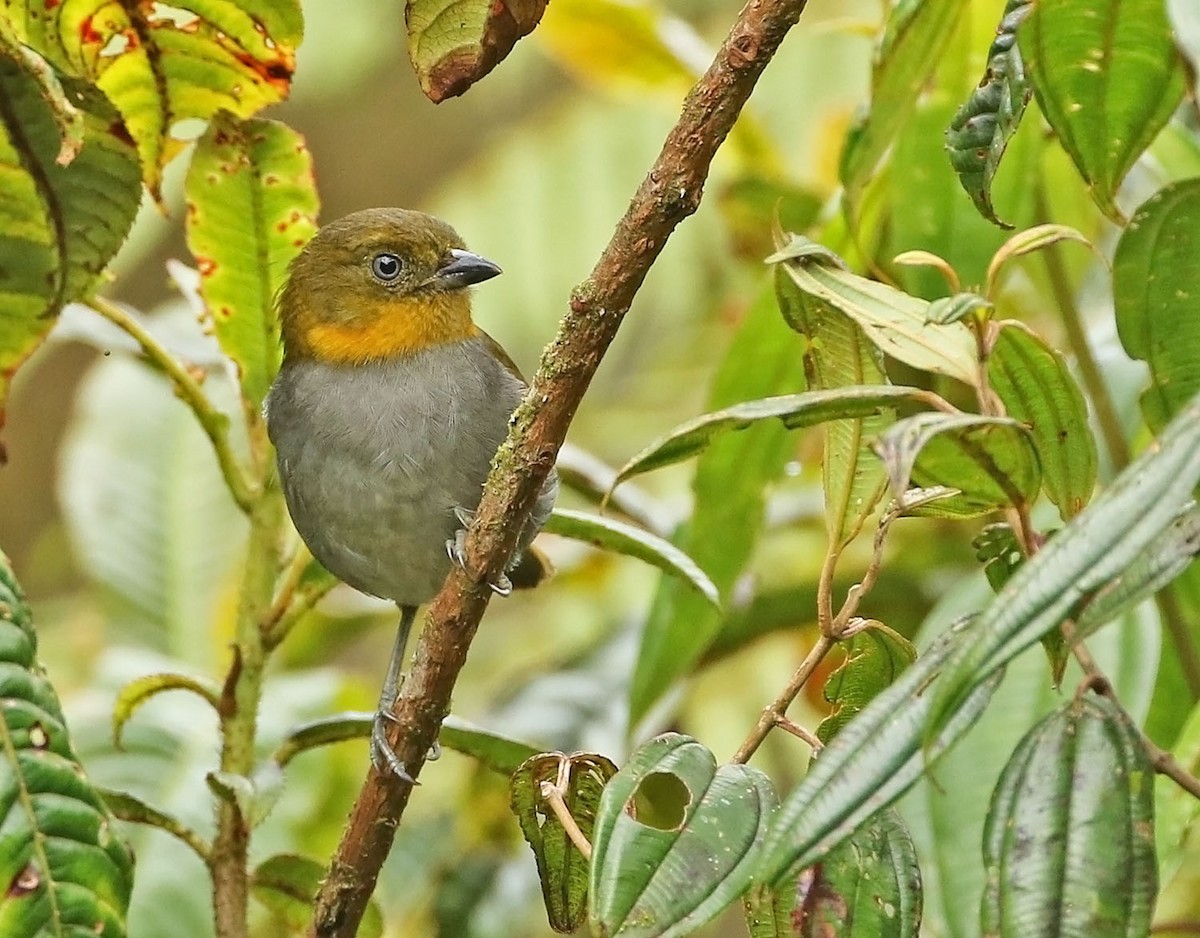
(386, 267)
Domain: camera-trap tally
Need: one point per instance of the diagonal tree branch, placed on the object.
(670, 192)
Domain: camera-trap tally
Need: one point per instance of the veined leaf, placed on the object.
(874, 658)
(454, 43)
(1069, 840)
(1156, 286)
(990, 460)
(252, 205)
(675, 839)
(68, 193)
(899, 324)
(63, 868)
(1033, 381)
(619, 537)
(163, 66)
(978, 136)
(1107, 77)
(1096, 547)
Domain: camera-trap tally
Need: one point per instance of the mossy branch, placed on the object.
(670, 193)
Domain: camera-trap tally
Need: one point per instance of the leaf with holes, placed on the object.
(874, 658)
(68, 193)
(978, 136)
(1031, 378)
(1107, 77)
(164, 66)
(579, 779)
(454, 43)
(990, 460)
(675, 839)
(1156, 285)
(252, 205)
(62, 867)
(869, 885)
(1069, 840)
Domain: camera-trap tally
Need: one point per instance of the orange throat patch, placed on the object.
(393, 327)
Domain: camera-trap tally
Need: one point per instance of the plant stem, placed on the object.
(669, 193)
(240, 700)
(214, 422)
(774, 714)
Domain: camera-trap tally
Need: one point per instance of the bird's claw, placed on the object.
(383, 756)
(456, 550)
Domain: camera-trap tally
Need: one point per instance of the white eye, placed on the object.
(386, 267)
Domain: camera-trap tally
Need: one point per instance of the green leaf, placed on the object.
(950, 309)
(729, 489)
(287, 884)
(63, 868)
(68, 193)
(454, 43)
(252, 205)
(1097, 546)
(978, 136)
(1069, 840)
(869, 885)
(1026, 242)
(1036, 387)
(838, 356)
(137, 692)
(1156, 283)
(990, 460)
(166, 67)
(621, 538)
(130, 808)
(793, 410)
(1107, 77)
(1177, 830)
(897, 323)
(769, 911)
(675, 839)
(870, 763)
(874, 658)
(563, 871)
(914, 37)
(997, 548)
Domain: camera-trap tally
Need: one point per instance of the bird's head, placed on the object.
(377, 284)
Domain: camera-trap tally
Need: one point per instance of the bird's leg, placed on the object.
(456, 549)
(382, 755)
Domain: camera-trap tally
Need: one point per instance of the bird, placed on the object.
(385, 415)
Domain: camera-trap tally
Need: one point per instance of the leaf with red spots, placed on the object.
(68, 193)
(63, 869)
(454, 43)
(166, 66)
(252, 204)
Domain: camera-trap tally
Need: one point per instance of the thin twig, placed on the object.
(772, 714)
(213, 421)
(800, 732)
(553, 794)
(669, 193)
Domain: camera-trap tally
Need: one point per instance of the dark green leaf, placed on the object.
(69, 191)
(563, 871)
(621, 538)
(996, 547)
(869, 885)
(869, 764)
(874, 658)
(1107, 77)
(990, 460)
(979, 134)
(63, 869)
(1097, 546)
(1156, 283)
(954, 308)
(1069, 840)
(287, 884)
(252, 205)
(1036, 387)
(675, 839)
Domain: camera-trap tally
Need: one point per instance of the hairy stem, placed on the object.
(670, 193)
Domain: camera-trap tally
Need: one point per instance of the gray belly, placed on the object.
(374, 459)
